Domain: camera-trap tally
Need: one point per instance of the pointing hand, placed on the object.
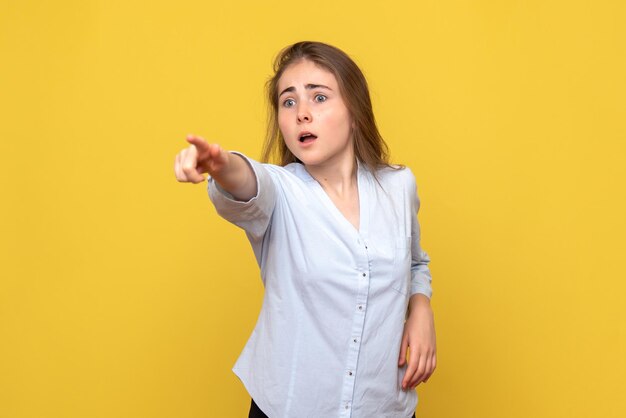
(198, 158)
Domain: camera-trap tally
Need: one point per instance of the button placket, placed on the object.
(362, 287)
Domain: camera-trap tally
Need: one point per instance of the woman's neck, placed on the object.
(339, 178)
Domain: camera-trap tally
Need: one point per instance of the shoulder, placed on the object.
(293, 173)
(285, 179)
(291, 181)
(396, 175)
(276, 172)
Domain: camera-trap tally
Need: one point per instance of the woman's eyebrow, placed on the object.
(308, 87)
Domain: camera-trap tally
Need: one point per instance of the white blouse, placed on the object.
(327, 340)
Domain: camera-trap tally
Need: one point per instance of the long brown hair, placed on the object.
(369, 146)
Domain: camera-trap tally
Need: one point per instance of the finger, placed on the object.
(178, 169)
(194, 174)
(217, 157)
(199, 142)
(429, 369)
(419, 373)
(429, 366)
(416, 374)
(180, 175)
(410, 370)
(403, 347)
(433, 366)
(190, 165)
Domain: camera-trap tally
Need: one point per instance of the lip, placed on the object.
(301, 134)
(307, 143)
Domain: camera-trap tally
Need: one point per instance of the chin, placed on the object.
(310, 160)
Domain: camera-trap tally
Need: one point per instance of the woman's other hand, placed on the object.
(418, 339)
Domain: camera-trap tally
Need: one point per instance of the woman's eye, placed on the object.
(320, 98)
(289, 103)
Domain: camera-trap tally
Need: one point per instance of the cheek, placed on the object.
(340, 120)
(282, 122)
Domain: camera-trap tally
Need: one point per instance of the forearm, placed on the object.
(237, 178)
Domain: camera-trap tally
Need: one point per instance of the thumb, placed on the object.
(403, 347)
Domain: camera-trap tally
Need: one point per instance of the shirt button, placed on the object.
(360, 307)
(347, 406)
(349, 373)
(364, 274)
(354, 340)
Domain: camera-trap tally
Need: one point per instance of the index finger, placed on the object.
(411, 369)
(199, 142)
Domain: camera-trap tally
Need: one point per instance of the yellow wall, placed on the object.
(122, 294)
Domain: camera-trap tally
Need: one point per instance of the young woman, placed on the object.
(346, 328)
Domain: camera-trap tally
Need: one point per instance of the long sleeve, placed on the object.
(420, 273)
(253, 215)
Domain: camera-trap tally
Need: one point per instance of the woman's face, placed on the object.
(312, 116)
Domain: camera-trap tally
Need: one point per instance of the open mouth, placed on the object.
(307, 137)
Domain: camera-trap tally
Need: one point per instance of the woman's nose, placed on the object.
(304, 115)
